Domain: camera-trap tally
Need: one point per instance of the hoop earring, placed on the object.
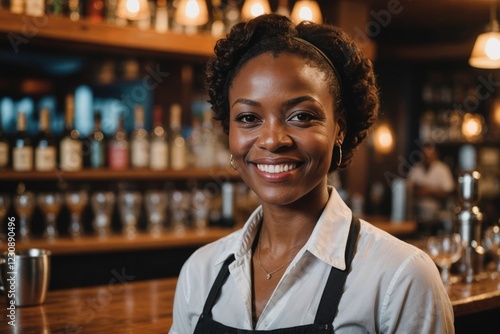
(231, 161)
(339, 144)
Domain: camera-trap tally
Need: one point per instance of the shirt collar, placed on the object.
(327, 241)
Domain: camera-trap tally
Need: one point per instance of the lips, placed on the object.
(275, 169)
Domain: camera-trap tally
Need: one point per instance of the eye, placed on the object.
(301, 117)
(247, 118)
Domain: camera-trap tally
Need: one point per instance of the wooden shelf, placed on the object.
(129, 174)
(62, 29)
(119, 243)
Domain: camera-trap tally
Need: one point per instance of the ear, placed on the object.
(342, 128)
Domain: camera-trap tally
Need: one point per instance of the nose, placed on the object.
(274, 135)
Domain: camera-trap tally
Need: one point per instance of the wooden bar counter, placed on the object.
(128, 306)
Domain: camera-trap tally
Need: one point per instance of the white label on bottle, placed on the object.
(4, 154)
(140, 153)
(71, 154)
(45, 158)
(23, 158)
(159, 155)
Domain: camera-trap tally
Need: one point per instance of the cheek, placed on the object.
(239, 142)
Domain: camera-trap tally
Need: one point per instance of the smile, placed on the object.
(274, 169)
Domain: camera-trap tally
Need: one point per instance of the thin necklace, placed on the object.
(269, 275)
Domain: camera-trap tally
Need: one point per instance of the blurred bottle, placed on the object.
(97, 144)
(217, 27)
(231, 14)
(4, 148)
(178, 149)
(74, 10)
(95, 10)
(55, 7)
(17, 6)
(35, 7)
(22, 151)
(139, 141)
(159, 143)
(208, 153)
(161, 18)
(110, 10)
(227, 219)
(45, 145)
(70, 147)
(118, 147)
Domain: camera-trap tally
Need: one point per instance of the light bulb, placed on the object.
(254, 8)
(306, 10)
(492, 48)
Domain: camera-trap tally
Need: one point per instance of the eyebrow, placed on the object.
(286, 104)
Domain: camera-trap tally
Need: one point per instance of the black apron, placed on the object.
(327, 307)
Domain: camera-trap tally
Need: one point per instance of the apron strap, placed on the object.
(216, 288)
(330, 299)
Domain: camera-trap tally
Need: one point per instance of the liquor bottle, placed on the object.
(35, 7)
(231, 14)
(22, 151)
(45, 144)
(4, 148)
(74, 10)
(95, 10)
(161, 18)
(70, 147)
(118, 147)
(17, 6)
(217, 28)
(159, 143)
(178, 149)
(96, 144)
(139, 141)
(208, 153)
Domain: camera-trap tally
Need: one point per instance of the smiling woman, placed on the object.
(296, 101)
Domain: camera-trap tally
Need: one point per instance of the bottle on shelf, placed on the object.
(139, 141)
(208, 155)
(231, 14)
(70, 146)
(74, 10)
(97, 144)
(35, 7)
(217, 27)
(17, 6)
(118, 147)
(95, 10)
(159, 143)
(22, 151)
(4, 148)
(178, 149)
(161, 18)
(45, 144)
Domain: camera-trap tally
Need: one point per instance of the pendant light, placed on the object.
(133, 9)
(486, 51)
(306, 10)
(254, 8)
(192, 13)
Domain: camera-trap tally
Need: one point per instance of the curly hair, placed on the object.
(356, 95)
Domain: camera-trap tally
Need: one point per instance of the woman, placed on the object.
(296, 101)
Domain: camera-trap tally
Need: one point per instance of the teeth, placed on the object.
(276, 168)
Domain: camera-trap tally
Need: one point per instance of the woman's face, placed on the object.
(282, 127)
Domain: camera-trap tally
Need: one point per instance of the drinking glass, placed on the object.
(76, 201)
(179, 209)
(200, 209)
(4, 208)
(445, 250)
(129, 205)
(50, 205)
(24, 204)
(102, 203)
(491, 241)
(156, 210)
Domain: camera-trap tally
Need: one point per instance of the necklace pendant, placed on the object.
(269, 276)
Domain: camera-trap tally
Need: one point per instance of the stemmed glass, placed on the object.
(129, 205)
(491, 241)
(102, 203)
(156, 210)
(179, 207)
(76, 201)
(50, 204)
(445, 250)
(24, 204)
(4, 207)
(201, 207)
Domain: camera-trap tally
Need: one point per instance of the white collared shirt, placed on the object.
(393, 287)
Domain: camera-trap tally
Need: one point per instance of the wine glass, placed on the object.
(4, 208)
(50, 205)
(24, 204)
(76, 201)
(201, 206)
(179, 208)
(129, 205)
(156, 209)
(445, 250)
(491, 241)
(102, 204)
